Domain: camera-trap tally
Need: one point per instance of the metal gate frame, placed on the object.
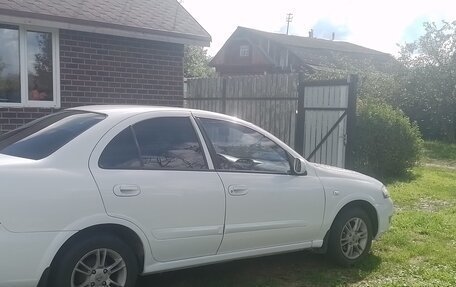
(349, 113)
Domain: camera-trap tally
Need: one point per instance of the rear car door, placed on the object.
(152, 170)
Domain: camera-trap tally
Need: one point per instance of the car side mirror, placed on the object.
(299, 166)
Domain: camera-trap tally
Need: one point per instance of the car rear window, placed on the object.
(42, 137)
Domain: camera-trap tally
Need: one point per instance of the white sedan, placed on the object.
(95, 196)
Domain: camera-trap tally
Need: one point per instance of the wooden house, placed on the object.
(250, 51)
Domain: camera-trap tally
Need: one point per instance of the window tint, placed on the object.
(160, 143)
(44, 136)
(241, 148)
(121, 153)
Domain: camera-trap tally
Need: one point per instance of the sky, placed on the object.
(380, 25)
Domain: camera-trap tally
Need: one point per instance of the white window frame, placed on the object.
(244, 51)
(25, 102)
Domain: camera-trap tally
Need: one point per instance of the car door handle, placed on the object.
(237, 190)
(127, 190)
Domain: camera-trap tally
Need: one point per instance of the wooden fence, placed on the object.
(316, 118)
(269, 101)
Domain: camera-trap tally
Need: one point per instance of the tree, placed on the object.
(430, 81)
(196, 63)
(43, 78)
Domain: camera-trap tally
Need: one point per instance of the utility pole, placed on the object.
(289, 19)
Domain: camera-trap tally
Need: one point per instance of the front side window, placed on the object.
(239, 148)
(168, 143)
(40, 138)
(28, 67)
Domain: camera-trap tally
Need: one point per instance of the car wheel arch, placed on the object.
(367, 207)
(124, 233)
(363, 204)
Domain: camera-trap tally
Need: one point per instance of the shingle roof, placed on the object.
(314, 43)
(165, 17)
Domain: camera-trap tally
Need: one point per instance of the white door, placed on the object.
(266, 205)
(153, 172)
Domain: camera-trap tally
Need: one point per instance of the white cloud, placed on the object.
(375, 24)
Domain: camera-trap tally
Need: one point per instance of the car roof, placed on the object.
(121, 109)
(129, 110)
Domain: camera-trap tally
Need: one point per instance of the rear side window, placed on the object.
(122, 152)
(42, 137)
(159, 143)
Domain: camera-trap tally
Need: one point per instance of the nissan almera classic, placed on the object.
(94, 196)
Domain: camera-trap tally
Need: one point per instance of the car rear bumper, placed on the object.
(23, 257)
(385, 213)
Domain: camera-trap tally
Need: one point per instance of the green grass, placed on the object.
(418, 250)
(440, 153)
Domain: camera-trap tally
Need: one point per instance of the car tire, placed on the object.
(98, 260)
(350, 238)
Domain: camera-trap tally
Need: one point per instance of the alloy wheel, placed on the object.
(100, 268)
(354, 237)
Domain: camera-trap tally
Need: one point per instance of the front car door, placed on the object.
(266, 205)
(152, 170)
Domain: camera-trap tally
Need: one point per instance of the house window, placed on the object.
(244, 51)
(28, 67)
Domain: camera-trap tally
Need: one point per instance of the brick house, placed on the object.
(249, 51)
(56, 54)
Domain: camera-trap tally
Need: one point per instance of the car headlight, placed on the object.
(385, 192)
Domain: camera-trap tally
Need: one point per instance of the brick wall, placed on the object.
(103, 69)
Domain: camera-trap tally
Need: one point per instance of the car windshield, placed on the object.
(40, 138)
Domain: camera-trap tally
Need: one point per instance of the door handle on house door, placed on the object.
(126, 190)
(237, 190)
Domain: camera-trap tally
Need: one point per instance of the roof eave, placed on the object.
(49, 21)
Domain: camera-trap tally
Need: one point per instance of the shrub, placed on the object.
(385, 144)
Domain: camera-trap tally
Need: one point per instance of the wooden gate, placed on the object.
(325, 121)
(314, 117)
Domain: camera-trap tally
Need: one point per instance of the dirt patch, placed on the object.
(432, 205)
(442, 165)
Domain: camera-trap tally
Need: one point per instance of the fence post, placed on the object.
(224, 95)
(185, 91)
(351, 120)
(300, 118)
